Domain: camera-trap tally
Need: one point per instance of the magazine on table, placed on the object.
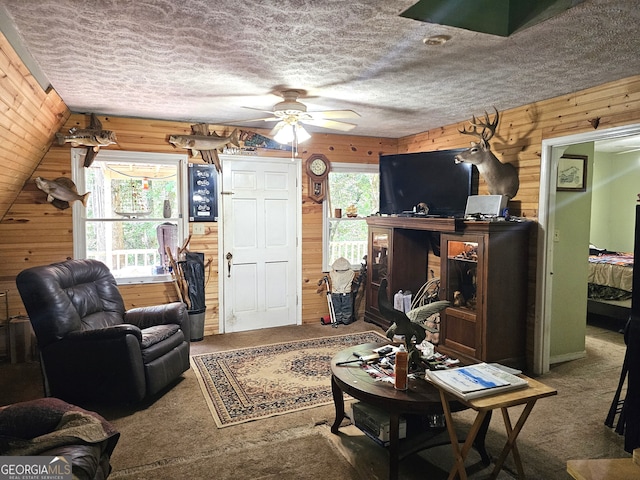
(474, 381)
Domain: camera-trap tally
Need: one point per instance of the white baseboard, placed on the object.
(566, 357)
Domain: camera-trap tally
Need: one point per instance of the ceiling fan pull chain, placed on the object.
(294, 144)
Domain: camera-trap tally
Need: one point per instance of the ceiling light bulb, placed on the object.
(301, 133)
(284, 135)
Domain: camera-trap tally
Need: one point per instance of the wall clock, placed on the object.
(318, 167)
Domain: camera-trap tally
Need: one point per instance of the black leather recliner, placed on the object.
(93, 350)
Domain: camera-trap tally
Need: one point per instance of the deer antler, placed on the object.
(488, 127)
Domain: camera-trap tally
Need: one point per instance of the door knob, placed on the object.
(228, 256)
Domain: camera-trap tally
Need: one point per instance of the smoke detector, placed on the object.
(436, 40)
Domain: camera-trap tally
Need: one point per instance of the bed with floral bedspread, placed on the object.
(610, 276)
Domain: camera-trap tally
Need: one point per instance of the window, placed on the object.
(354, 185)
(136, 209)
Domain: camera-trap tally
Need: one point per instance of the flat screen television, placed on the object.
(429, 177)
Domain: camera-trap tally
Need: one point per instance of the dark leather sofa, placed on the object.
(52, 427)
(91, 349)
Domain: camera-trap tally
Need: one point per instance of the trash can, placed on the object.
(196, 319)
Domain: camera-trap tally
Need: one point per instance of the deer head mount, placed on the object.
(501, 178)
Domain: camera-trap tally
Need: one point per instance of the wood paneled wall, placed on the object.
(49, 231)
(29, 119)
(32, 232)
(338, 149)
(518, 140)
(519, 136)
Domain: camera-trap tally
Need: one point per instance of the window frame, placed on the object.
(79, 212)
(327, 215)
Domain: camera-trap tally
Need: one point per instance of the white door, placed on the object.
(260, 256)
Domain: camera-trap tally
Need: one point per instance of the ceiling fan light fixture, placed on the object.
(291, 114)
(285, 114)
(284, 135)
(301, 134)
(290, 104)
(292, 132)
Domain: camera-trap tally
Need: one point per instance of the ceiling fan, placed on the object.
(291, 114)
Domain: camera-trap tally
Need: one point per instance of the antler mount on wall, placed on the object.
(501, 178)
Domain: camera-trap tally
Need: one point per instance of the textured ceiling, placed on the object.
(206, 61)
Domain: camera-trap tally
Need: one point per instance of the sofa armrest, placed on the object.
(27, 428)
(88, 462)
(144, 317)
(106, 333)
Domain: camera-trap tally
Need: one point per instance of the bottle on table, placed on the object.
(401, 368)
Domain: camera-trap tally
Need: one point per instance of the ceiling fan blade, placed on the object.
(334, 114)
(272, 118)
(332, 124)
(247, 120)
(259, 110)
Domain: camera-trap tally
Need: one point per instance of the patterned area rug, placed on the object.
(260, 382)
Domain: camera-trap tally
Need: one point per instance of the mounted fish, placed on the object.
(93, 138)
(61, 192)
(205, 143)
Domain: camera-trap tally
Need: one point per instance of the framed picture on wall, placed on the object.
(572, 173)
(203, 193)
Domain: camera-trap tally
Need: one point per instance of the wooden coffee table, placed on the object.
(421, 398)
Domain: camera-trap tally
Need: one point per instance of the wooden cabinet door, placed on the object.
(463, 282)
(400, 255)
(380, 262)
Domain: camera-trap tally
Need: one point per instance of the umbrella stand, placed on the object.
(192, 270)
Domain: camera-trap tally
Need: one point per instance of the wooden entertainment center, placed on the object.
(482, 266)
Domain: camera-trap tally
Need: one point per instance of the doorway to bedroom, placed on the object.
(616, 180)
(565, 229)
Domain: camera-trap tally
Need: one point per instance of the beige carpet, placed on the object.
(259, 382)
(278, 456)
(176, 428)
